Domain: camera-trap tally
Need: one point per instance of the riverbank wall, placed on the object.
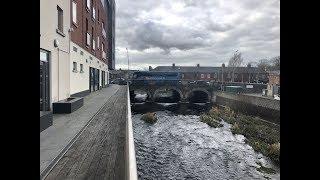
(266, 108)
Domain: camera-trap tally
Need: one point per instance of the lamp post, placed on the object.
(128, 66)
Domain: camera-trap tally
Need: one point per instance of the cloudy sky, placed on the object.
(188, 32)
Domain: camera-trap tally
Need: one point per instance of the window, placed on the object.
(74, 12)
(88, 4)
(98, 42)
(87, 25)
(74, 67)
(81, 52)
(202, 75)
(60, 19)
(98, 15)
(88, 39)
(93, 44)
(81, 68)
(94, 13)
(103, 30)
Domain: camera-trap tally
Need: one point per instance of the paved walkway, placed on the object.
(65, 126)
(99, 152)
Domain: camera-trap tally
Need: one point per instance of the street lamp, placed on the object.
(128, 66)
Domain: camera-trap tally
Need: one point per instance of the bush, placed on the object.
(235, 129)
(210, 121)
(262, 136)
(149, 117)
(264, 169)
(274, 152)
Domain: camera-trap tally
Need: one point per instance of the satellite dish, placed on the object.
(56, 43)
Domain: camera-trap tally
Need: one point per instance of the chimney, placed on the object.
(173, 65)
(198, 65)
(150, 68)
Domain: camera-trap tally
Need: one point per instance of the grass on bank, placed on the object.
(263, 137)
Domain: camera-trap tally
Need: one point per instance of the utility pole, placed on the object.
(128, 65)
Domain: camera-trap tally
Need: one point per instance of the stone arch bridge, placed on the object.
(184, 90)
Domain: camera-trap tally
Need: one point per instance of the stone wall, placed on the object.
(265, 108)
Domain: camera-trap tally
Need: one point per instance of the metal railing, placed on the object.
(131, 165)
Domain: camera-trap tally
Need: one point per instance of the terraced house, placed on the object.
(76, 48)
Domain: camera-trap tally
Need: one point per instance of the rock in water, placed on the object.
(149, 117)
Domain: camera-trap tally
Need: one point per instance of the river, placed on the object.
(179, 146)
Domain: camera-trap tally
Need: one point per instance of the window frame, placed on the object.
(74, 67)
(88, 41)
(60, 19)
(98, 42)
(93, 13)
(81, 68)
(74, 13)
(88, 5)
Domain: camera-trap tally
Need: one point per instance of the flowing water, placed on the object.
(179, 146)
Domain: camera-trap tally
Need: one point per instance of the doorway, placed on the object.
(97, 79)
(44, 81)
(91, 79)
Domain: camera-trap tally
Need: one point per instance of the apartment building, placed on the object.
(54, 52)
(74, 46)
(89, 46)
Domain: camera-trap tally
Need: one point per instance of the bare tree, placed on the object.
(235, 61)
(276, 63)
(270, 64)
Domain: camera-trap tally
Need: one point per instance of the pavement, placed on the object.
(66, 126)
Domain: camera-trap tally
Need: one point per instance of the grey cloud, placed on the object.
(153, 35)
(200, 40)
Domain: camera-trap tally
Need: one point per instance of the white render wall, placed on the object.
(59, 59)
(80, 81)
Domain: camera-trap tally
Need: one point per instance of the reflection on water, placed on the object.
(182, 147)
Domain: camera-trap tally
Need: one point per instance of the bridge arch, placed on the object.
(198, 95)
(175, 90)
(134, 92)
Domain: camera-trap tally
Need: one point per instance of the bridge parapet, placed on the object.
(184, 88)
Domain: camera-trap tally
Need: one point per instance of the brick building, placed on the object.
(90, 45)
(273, 87)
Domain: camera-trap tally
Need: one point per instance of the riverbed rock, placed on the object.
(149, 117)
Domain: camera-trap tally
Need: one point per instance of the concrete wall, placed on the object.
(59, 57)
(80, 81)
(268, 109)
